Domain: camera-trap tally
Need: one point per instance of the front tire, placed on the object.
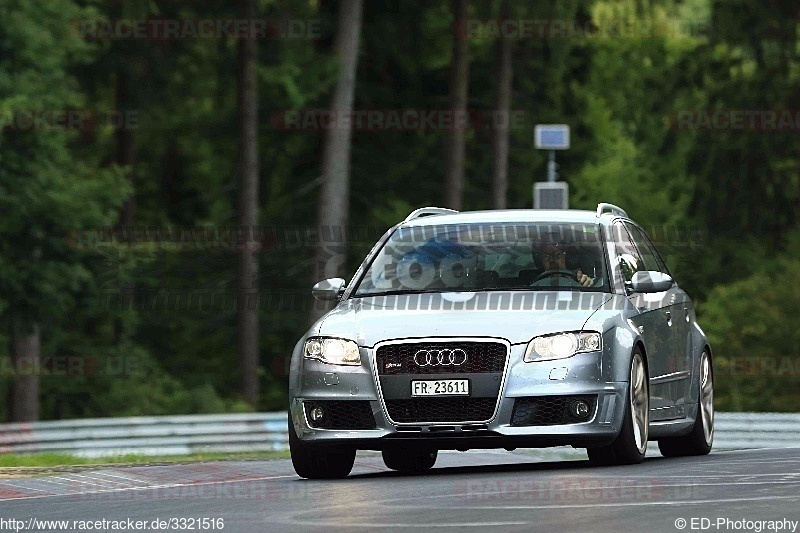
(631, 444)
(409, 461)
(700, 439)
(317, 462)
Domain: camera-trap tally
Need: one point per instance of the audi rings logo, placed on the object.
(443, 357)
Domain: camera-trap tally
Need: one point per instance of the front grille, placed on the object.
(441, 409)
(481, 357)
(341, 414)
(549, 410)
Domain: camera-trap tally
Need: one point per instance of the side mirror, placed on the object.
(328, 289)
(651, 281)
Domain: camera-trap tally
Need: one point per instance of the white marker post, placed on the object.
(551, 194)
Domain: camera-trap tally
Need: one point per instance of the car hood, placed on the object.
(514, 315)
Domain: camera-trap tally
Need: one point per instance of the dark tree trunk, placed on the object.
(25, 359)
(247, 311)
(125, 156)
(459, 82)
(126, 141)
(334, 200)
(502, 117)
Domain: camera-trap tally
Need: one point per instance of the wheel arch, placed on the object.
(694, 391)
(624, 356)
(639, 344)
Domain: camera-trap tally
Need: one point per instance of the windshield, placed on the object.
(498, 256)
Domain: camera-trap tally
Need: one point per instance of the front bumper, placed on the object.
(578, 375)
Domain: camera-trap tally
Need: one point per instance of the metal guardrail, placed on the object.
(756, 430)
(252, 432)
(146, 435)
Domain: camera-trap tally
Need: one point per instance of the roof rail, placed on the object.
(602, 207)
(422, 211)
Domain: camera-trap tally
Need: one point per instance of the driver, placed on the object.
(553, 258)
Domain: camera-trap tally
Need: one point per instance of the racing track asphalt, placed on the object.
(476, 491)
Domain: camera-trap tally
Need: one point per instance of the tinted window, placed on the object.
(468, 257)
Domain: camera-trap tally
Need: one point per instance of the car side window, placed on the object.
(628, 257)
(652, 260)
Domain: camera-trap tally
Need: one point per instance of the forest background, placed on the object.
(129, 162)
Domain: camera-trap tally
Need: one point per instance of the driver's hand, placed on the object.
(583, 279)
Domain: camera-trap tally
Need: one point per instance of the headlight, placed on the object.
(332, 351)
(562, 345)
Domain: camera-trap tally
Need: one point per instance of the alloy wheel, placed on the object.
(707, 398)
(639, 402)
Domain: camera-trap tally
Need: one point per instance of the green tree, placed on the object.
(46, 192)
(752, 324)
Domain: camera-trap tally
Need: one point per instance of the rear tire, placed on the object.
(631, 444)
(409, 461)
(701, 438)
(318, 462)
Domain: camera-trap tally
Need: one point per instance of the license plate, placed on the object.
(440, 387)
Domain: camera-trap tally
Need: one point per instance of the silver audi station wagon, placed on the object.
(502, 329)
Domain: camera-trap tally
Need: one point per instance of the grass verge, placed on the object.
(54, 460)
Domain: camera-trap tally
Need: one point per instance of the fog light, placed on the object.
(316, 414)
(579, 409)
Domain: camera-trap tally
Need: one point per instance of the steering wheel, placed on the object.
(560, 272)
